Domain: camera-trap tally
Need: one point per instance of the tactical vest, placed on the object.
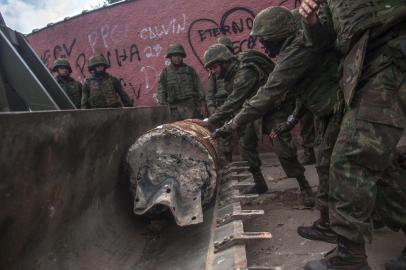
(73, 89)
(102, 93)
(222, 92)
(263, 66)
(258, 61)
(353, 17)
(180, 83)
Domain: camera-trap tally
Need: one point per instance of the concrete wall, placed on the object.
(135, 35)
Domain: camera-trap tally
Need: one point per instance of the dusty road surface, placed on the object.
(284, 213)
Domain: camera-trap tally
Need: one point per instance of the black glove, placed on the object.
(224, 130)
(283, 127)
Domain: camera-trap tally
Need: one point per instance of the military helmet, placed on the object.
(175, 48)
(274, 23)
(61, 62)
(216, 53)
(226, 42)
(96, 60)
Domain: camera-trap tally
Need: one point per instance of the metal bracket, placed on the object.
(233, 234)
(235, 170)
(236, 185)
(234, 212)
(235, 196)
(238, 177)
(239, 166)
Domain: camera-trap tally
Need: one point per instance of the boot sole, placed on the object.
(330, 241)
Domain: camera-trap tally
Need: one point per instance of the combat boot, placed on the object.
(308, 156)
(320, 230)
(348, 255)
(398, 263)
(306, 190)
(260, 183)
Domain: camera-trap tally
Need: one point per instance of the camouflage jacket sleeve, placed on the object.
(293, 64)
(85, 96)
(244, 85)
(322, 34)
(299, 109)
(211, 92)
(198, 86)
(162, 93)
(125, 99)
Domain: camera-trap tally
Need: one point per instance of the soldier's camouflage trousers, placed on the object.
(328, 128)
(225, 143)
(283, 146)
(307, 130)
(248, 143)
(364, 173)
(185, 109)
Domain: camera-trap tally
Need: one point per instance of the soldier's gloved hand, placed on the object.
(227, 128)
(283, 127)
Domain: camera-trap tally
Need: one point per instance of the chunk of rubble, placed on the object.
(174, 167)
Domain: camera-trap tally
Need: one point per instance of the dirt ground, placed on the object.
(284, 213)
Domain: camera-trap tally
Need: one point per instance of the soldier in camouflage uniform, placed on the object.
(365, 176)
(307, 120)
(215, 97)
(302, 72)
(71, 87)
(246, 74)
(101, 90)
(308, 133)
(179, 87)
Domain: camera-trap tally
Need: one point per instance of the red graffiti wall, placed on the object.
(134, 36)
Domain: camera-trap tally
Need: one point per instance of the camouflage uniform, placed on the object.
(308, 134)
(215, 97)
(373, 124)
(180, 88)
(246, 76)
(300, 72)
(71, 87)
(365, 175)
(103, 90)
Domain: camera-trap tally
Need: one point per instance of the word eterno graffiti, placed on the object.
(226, 27)
(236, 27)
